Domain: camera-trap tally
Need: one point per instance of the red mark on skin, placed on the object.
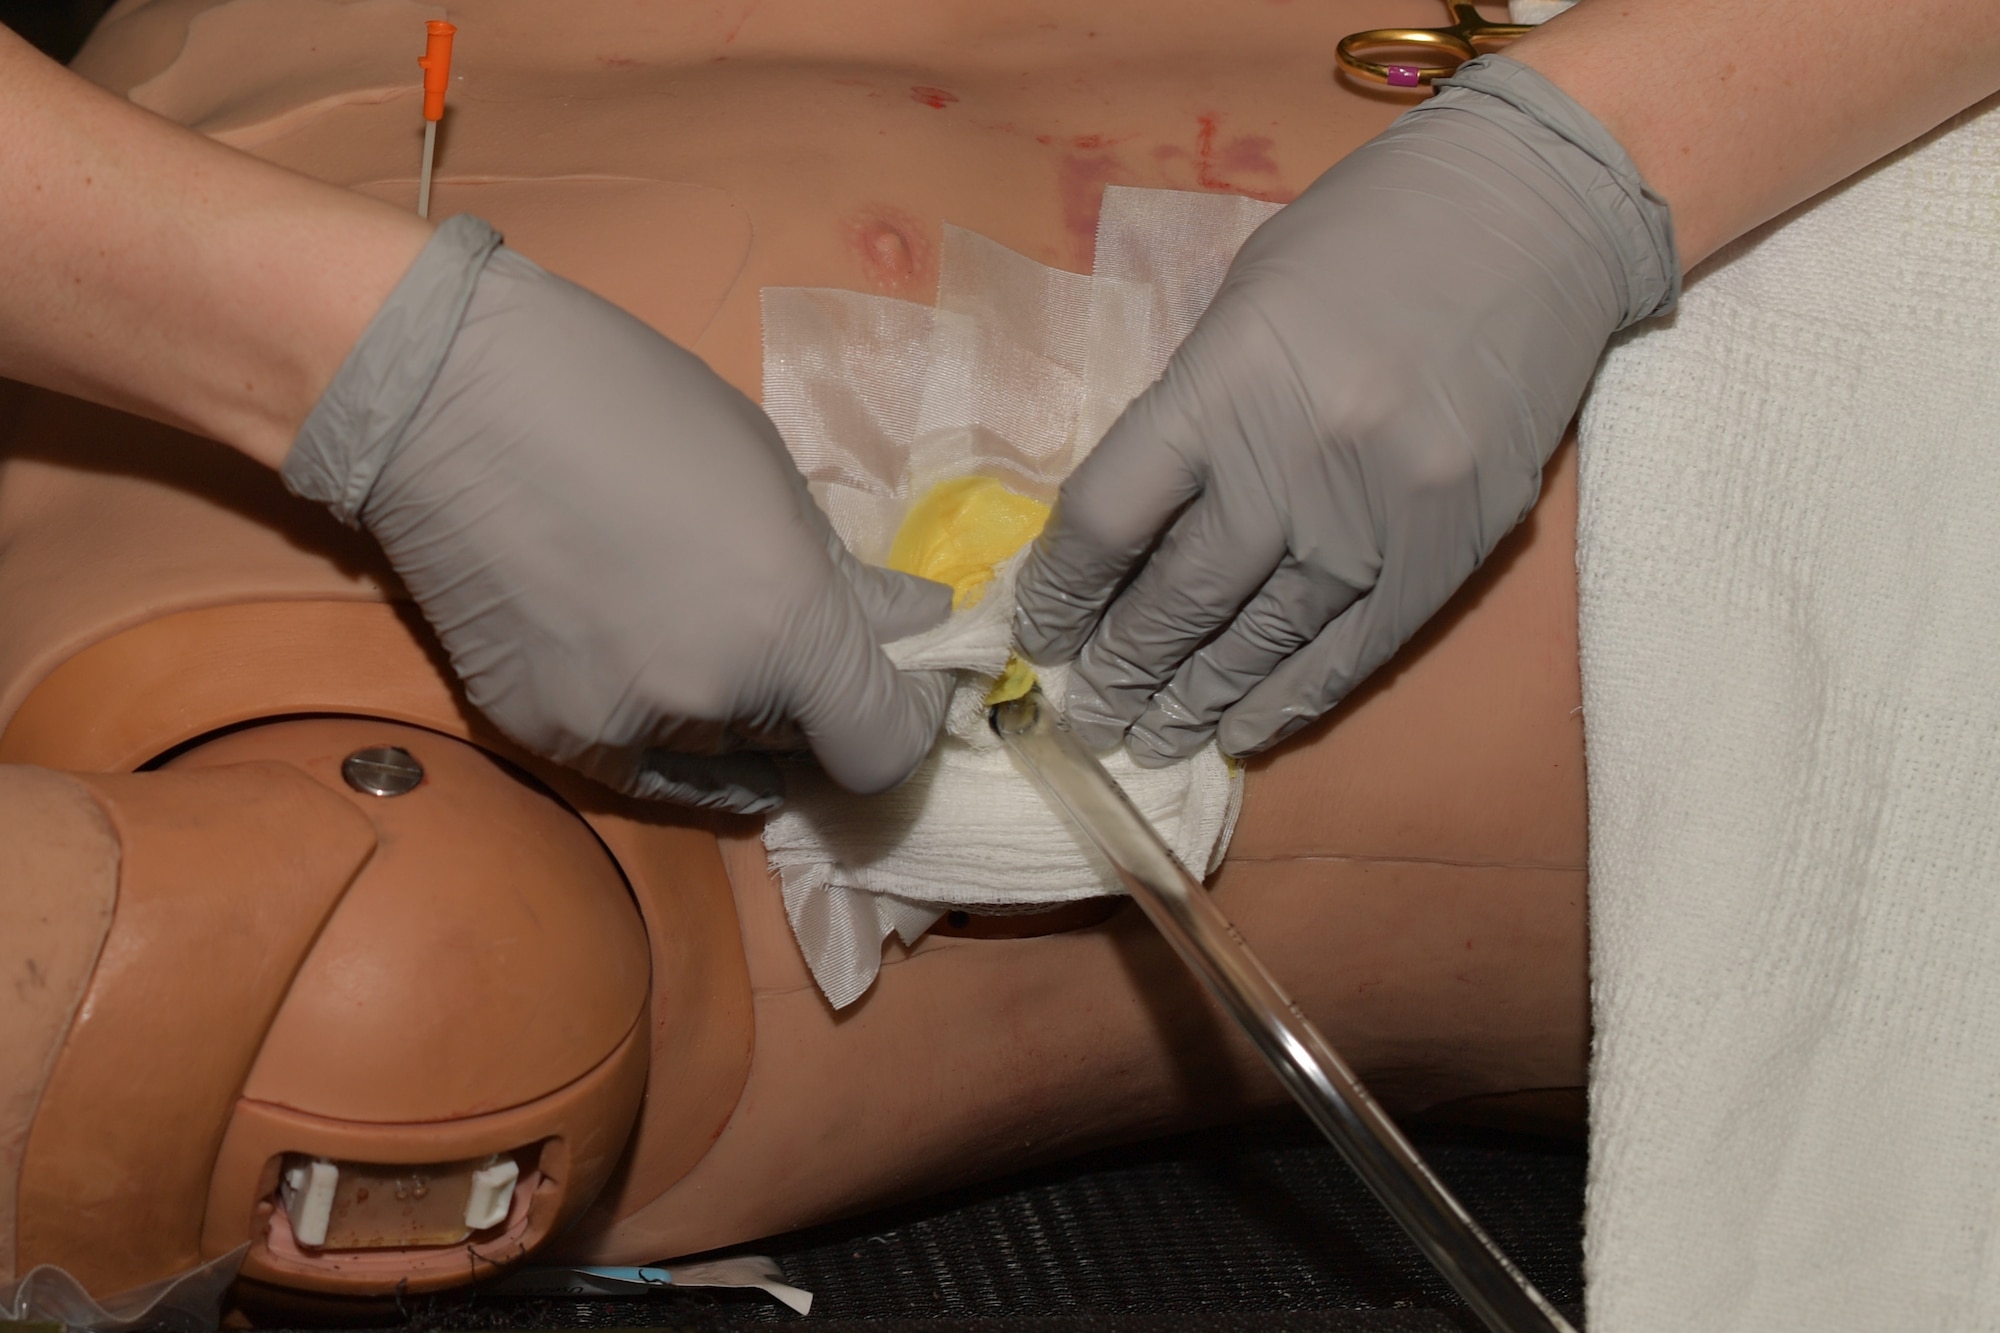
(1250, 153)
(741, 19)
(895, 253)
(1044, 139)
(1089, 143)
(1245, 153)
(1080, 183)
(1204, 151)
(937, 99)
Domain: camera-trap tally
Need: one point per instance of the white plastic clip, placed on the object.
(492, 1193)
(308, 1194)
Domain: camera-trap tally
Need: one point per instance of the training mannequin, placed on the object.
(1412, 868)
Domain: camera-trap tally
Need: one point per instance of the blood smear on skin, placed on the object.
(937, 99)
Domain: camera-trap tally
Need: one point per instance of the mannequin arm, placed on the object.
(1735, 111)
(147, 268)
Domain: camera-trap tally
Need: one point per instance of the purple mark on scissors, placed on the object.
(1404, 76)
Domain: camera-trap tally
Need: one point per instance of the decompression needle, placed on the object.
(436, 62)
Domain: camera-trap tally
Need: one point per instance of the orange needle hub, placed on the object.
(436, 61)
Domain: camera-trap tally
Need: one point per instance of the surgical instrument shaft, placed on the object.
(1127, 848)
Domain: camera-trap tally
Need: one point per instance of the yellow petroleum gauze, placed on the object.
(958, 533)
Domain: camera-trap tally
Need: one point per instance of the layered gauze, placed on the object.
(935, 438)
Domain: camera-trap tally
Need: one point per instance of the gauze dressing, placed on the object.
(932, 437)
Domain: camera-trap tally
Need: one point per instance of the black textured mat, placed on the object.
(697, 1318)
(1250, 1227)
(58, 27)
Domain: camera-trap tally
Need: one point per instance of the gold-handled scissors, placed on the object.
(1468, 35)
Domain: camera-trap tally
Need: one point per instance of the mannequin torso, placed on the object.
(1412, 867)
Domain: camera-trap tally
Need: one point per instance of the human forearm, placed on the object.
(1734, 112)
(148, 268)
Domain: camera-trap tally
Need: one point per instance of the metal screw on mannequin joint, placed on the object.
(382, 770)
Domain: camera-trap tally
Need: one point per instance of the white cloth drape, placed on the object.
(1789, 546)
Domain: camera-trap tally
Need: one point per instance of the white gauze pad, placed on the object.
(1015, 374)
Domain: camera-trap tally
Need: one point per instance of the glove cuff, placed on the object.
(361, 418)
(1637, 222)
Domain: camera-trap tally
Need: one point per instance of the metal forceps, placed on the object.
(1126, 849)
(1467, 36)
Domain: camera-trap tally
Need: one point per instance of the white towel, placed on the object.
(1789, 547)
(1015, 374)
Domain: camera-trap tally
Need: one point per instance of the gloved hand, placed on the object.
(612, 543)
(1359, 417)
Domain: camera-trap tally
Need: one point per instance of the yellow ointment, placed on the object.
(958, 533)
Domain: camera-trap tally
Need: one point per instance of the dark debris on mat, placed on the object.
(1255, 1227)
(1205, 1321)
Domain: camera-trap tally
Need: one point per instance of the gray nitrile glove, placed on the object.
(1357, 420)
(612, 543)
